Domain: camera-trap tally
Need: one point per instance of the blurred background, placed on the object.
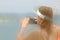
(12, 13)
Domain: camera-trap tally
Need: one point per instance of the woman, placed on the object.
(44, 19)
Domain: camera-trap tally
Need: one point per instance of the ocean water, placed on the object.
(10, 25)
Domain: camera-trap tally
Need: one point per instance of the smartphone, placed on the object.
(32, 21)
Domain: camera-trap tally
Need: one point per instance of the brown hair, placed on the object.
(48, 20)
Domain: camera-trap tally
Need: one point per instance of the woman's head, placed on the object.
(48, 19)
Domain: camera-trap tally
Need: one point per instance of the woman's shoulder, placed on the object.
(34, 32)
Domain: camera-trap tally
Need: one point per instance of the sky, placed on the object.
(25, 6)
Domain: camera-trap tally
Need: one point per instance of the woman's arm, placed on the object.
(20, 35)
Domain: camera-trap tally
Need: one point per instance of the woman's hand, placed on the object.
(25, 22)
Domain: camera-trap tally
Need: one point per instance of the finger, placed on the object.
(25, 20)
(35, 20)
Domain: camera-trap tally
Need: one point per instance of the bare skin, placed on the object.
(33, 35)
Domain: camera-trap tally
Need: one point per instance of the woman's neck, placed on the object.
(48, 29)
